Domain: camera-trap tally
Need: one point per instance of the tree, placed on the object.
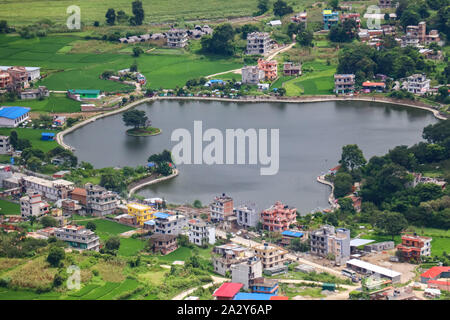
(392, 223)
(263, 6)
(334, 4)
(138, 12)
(343, 183)
(110, 16)
(135, 118)
(298, 245)
(197, 204)
(91, 226)
(49, 221)
(112, 243)
(134, 67)
(112, 180)
(352, 157)
(281, 91)
(248, 28)
(4, 26)
(23, 144)
(122, 17)
(221, 42)
(34, 163)
(55, 256)
(164, 169)
(13, 139)
(409, 17)
(305, 38)
(280, 8)
(137, 51)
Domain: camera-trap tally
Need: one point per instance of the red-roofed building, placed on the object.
(279, 298)
(433, 277)
(227, 291)
(414, 247)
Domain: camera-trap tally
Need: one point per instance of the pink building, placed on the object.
(270, 69)
(278, 217)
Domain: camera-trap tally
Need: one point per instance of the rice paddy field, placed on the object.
(57, 102)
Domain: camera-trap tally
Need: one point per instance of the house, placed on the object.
(269, 68)
(245, 272)
(227, 291)
(79, 95)
(32, 205)
(142, 212)
(258, 43)
(418, 84)
(292, 69)
(301, 17)
(177, 38)
(11, 117)
(414, 247)
(263, 285)
(366, 268)
(78, 237)
(271, 256)
(226, 255)
(166, 223)
(344, 83)
(278, 217)
(60, 174)
(39, 93)
(431, 54)
(19, 77)
(384, 4)
(330, 19)
(274, 23)
(252, 75)
(163, 243)
(379, 246)
(99, 201)
(200, 233)
(53, 190)
(59, 121)
(437, 277)
(263, 86)
(70, 207)
(5, 145)
(388, 30)
(221, 208)
(47, 136)
(369, 87)
(330, 242)
(5, 79)
(352, 16)
(79, 194)
(247, 216)
(287, 236)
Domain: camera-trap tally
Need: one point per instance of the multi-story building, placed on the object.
(344, 83)
(163, 243)
(271, 256)
(5, 79)
(19, 76)
(414, 247)
(301, 17)
(418, 84)
(142, 212)
(292, 69)
(258, 43)
(328, 241)
(177, 38)
(5, 145)
(263, 285)
(330, 19)
(221, 208)
(270, 69)
(166, 223)
(32, 205)
(247, 216)
(78, 237)
(432, 37)
(384, 4)
(352, 16)
(252, 75)
(99, 201)
(278, 217)
(226, 255)
(52, 190)
(200, 233)
(246, 272)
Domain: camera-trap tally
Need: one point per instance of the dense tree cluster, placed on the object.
(221, 41)
(121, 17)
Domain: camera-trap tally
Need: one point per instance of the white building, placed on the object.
(5, 146)
(177, 38)
(247, 271)
(221, 208)
(78, 237)
(11, 117)
(34, 73)
(33, 205)
(200, 233)
(258, 43)
(52, 190)
(252, 75)
(418, 84)
(247, 216)
(169, 223)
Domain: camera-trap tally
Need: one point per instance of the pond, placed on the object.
(311, 136)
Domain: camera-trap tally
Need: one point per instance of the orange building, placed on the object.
(270, 69)
(5, 79)
(278, 218)
(414, 247)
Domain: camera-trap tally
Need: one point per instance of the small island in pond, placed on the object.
(140, 122)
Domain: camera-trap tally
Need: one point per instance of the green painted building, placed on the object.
(84, 94)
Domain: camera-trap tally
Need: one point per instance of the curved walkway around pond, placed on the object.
(331, 199)
(144, 182)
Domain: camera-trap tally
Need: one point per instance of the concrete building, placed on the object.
(5, 79)
(278, 217)
(418, 84)
(366, 268)
(177, 38)
(330, 19)
(384, 4)
(432, 37)
(166, 223)
(32, 205)
(271, 256)
(53, 190)
(221, 208)
(246, 272)
(163, 243)
(39, 93)
(247, 216)
(414, 247)
(99, 201)
(79, 194)
(328, 241)
(301, 17)
(252, 75)
(380, 246)
(11, 117)
(226, 255)
(200, 233)
(258, 43)
(292, 69)
(142, 212)
(32, 73)
(5, 145)
(288, 235)
(78, 237)
(19, 77)
(264, 286)
(270, 69)
(344, 83)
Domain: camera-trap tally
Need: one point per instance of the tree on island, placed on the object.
(135, 118)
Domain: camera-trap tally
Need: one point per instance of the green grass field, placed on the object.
(55, 103)
(9, 208)
(106, 229)
(34, 135)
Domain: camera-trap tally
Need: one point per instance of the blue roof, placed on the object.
(215, 81)
(47, 134)
(292, 234)
(161, 215)
(81, 91)
(13, 112)
(151, 164)
(252, 296)
(150, 222)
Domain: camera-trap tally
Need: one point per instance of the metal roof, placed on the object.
(13, 112)
(374, 268)
(253, 296)
(360, 242)
(150, 222)
(161, 215)
(292, 233)
(228, 289)
(78, 91)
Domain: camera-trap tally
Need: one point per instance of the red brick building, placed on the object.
(278, 218)
(163, 243)
(79, 194)
(414, 247)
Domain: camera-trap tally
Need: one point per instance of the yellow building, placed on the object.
(141, 212)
